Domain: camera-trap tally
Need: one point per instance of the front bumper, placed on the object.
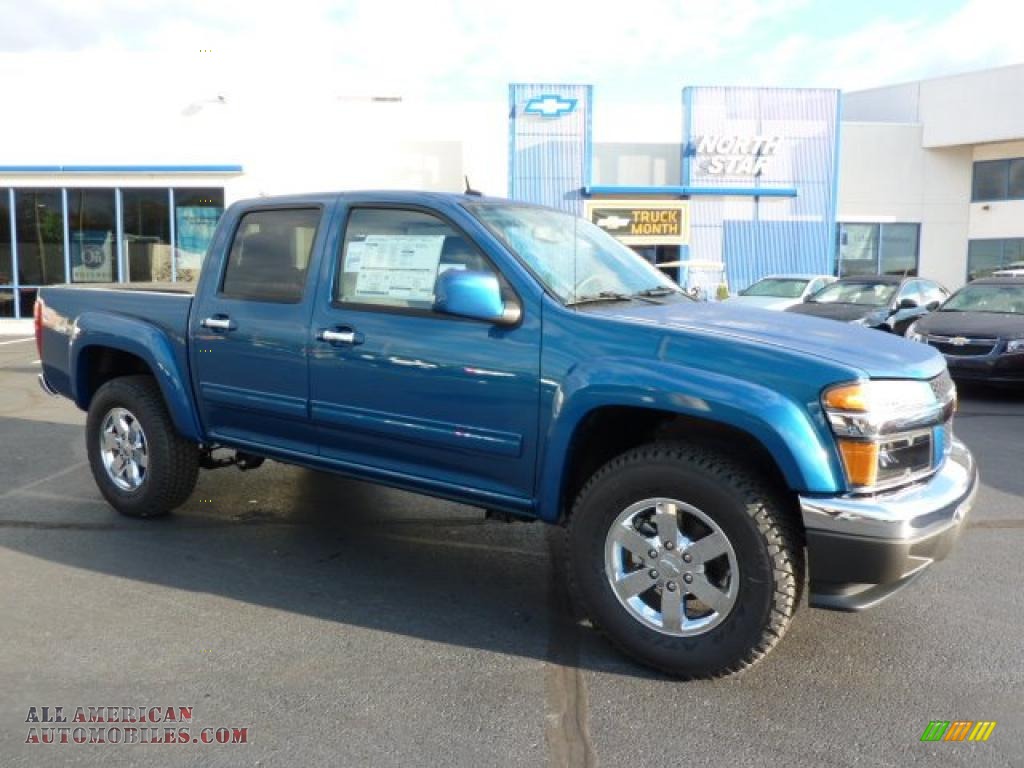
(993, 369)
(861, 549)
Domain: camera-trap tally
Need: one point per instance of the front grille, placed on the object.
(971, 347)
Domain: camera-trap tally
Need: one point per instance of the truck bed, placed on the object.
(164, 305)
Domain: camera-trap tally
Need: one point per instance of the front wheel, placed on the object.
(141, 465)
(686, 560)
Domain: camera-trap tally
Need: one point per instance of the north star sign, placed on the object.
(550, 105)
(735, 155)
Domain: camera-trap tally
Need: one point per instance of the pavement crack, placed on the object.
(567, 715)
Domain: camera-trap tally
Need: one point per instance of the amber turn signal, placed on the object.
(860, 460)
(849, 397)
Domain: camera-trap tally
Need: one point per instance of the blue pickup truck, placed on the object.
(708, 461)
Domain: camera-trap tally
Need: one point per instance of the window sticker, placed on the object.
(395, 266)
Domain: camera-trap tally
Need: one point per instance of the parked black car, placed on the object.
(886, 302)
(980, 330)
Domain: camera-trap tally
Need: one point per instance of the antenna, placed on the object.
(470, 190)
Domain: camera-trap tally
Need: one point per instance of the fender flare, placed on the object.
(784, 427)
(146, 341)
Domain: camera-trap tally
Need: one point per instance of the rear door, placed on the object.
(423, 398)
(249, 350)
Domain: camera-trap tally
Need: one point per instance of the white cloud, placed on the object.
(982, 33)
(471, 49)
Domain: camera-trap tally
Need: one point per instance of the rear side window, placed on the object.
(269, 256)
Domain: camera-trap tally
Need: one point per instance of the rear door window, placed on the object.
(269, 257)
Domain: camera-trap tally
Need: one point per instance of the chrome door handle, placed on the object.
(218, 323)
(347, 336)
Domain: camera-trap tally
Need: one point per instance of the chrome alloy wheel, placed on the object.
(671, 566)
(123, 449)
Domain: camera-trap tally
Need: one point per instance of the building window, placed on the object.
(6, 257)
(146, 234)
(196, 213)
(998, 180)
(986, 256)
(878, 249)
(39, 235)
(92, 235)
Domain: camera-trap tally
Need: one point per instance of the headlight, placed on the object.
(1017, 345)
(886, 430)
(913, 335)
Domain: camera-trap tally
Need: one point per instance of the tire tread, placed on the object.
(781, 530)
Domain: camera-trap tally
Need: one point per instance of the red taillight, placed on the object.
(37, 314)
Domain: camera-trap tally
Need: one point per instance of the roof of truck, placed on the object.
(389, 195)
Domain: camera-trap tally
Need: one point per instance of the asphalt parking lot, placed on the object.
(346, 624)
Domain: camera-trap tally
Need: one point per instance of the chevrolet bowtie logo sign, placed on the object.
(549, 105)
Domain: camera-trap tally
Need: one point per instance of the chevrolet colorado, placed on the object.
(708, 461)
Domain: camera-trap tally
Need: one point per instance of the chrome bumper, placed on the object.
(862, 548)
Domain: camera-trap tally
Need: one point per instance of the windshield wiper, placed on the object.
(591, 298)
(658, 290)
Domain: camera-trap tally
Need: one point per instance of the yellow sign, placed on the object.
(642, 222)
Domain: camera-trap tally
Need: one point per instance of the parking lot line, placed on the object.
(66, 471)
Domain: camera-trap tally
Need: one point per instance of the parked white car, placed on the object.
(781, 291)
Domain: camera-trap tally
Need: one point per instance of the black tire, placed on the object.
(761, 526)
(173, 461)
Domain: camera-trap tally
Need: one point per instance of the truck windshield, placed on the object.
(575, 260)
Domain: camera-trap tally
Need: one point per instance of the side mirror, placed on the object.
(476, 295)
(908, 303)
(931, 306)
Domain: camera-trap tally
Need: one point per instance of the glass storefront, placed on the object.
(146, 234)
(71, 235)
(196, 212)
(6, 256)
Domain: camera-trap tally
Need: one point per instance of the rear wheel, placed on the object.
(686, 560)
(141, 465)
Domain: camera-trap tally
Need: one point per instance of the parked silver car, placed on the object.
(781, 291)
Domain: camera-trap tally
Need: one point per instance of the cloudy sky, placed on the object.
(470, 49)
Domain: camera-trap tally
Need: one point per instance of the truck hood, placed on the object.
(972, 324)
(877, 354)
(836, 310)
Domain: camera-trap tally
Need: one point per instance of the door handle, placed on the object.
(220, 323)
(340, 336)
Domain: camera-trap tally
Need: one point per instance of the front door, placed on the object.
(249, 332)
(425, 399)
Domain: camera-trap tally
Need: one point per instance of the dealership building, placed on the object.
(717, 185)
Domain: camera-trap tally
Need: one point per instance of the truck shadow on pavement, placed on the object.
(320, 545)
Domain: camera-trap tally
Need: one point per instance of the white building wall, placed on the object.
(887, 176)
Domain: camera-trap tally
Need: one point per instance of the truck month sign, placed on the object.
(652, 222)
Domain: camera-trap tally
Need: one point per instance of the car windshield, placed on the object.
(867, 294)
(987, 298)
(576, 260)
(777, 287)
